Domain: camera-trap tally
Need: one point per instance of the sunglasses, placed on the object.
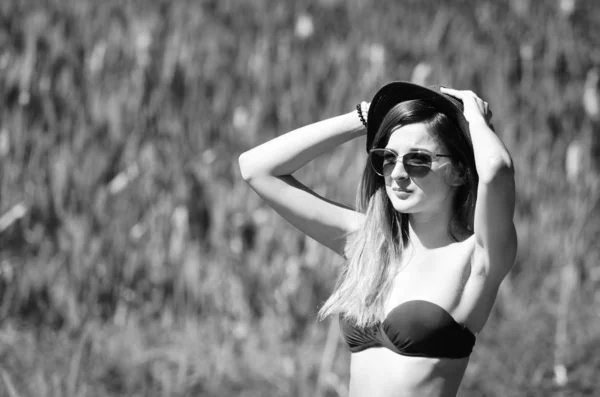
(416, 163)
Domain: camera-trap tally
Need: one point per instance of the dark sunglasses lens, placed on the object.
(377, 159)
(417, 165)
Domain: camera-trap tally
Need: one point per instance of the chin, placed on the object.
(405, 206)
(416, 202)
(405, 209)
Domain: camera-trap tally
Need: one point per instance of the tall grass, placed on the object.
(135, 261)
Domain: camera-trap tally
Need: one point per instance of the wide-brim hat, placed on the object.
(396, 92)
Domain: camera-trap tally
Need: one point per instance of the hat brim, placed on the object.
(396, 92)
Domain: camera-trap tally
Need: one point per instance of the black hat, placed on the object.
(393, 93)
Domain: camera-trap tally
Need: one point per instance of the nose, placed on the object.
(399, 172)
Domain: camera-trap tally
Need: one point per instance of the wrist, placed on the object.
(477, 123)
(360, 113)
(362, 110)
(352, 123)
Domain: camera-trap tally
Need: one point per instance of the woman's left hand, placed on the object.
(475, 108)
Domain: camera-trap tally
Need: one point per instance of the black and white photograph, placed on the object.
(299, 198)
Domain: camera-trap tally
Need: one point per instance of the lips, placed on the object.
(397, 189)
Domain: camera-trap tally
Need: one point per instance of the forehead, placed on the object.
(412, 136)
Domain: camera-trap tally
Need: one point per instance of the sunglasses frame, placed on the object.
(410, 169)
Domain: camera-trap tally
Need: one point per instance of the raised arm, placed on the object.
(494, 228)
(267, 169)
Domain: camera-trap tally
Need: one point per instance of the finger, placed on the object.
(472, 93)
(462, 95)
(451, 91)
(482, 106)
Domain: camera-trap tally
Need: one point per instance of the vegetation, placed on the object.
(134, 261)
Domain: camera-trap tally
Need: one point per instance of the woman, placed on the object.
(430, 242)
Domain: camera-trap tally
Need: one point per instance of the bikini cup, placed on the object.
(413, 328)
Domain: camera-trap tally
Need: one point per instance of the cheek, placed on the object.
(430, 184)
(434, 187)
(447, 174)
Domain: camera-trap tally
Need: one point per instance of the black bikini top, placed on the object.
(413, 328)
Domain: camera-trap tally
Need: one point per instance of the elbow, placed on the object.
(251, 166)
(256, 164)
(245, 164)
(498, 167)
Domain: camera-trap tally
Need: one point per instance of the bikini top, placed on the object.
(414, 328)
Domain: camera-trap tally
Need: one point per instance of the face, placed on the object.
(430, 194)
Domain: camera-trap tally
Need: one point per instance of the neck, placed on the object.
(428, 231)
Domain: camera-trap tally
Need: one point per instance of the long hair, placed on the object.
(374, 250)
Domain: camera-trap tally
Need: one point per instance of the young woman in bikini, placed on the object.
(429, 243)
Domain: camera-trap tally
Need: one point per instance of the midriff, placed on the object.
(379, 372)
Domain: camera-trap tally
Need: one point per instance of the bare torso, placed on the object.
(379, 372)
(451, 277)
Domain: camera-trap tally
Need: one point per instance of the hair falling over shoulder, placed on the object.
(373, 253)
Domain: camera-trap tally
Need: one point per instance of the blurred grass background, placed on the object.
(134, 261)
